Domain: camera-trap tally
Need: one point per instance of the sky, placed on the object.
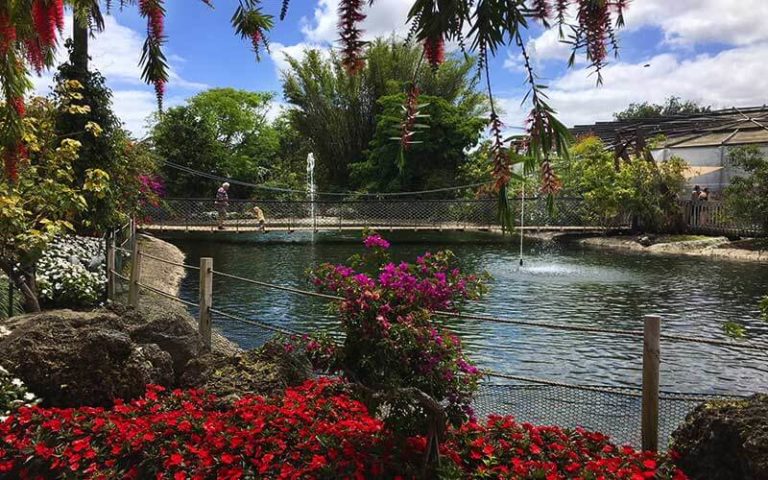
(710, 51)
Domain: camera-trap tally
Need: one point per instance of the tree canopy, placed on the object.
(671, 106)
(224, 132)
(747, 195)
(340, 113)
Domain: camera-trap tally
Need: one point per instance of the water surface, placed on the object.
(563, 284)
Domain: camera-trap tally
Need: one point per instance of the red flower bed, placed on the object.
(312, 431)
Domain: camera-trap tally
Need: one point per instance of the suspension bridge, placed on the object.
(377, 213)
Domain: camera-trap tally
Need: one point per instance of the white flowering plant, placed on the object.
(13, 394)
(71, 272)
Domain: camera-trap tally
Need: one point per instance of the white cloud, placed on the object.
(384, 17)
(687, 22)
(278, 52)
(115, 52)
(734, 77)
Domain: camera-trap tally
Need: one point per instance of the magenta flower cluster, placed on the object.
(392, 341)
(375, 241)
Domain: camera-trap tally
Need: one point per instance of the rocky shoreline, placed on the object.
(712, 247)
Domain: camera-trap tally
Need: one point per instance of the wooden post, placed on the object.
(206, 299)
(111, 267)
(133, 288)
(651, 360)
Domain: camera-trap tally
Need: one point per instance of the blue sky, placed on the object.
(711, 51)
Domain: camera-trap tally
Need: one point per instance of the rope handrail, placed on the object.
(611, 331)
(304, 192)
(264, 325)
(297, 291)
(169, 262)
(167, 295)
(552, 326)
(120, 276)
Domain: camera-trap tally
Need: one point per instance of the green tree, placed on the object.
(182, 137)
(338, 111)
(671, 106)
(747, 195)
(645, 190)
(222, 131)
(432, 163)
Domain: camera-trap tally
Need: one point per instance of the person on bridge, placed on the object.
(222, 203)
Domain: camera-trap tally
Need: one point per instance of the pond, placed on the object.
(558, 283)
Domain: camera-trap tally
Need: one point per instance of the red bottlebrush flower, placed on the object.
(550, 184)
(595, 24)
(411, 110)
(542, 9)
(434, 50)
(11, 159)
(7, 33)
(18, 106)
(499, 154)
(155, 13)
(350, 15)
(58, 11)
(35, 54)
(256, 38)
(44, 18)
(160, 92)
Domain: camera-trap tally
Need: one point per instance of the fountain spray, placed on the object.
(311, 190)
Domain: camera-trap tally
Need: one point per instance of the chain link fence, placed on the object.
(11, 302)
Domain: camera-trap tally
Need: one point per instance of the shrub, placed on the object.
(71, 273)
(393, 348)
(13, 394)
(503, 448)
(312, 431)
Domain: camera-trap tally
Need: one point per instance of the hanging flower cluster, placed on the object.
(499, 154)
(350, 16)
(155, 68)
(434, 50)
(411, 110)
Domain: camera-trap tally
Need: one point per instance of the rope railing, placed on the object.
(256, 323)
(169, 262)
(293, 290)
(167, 295)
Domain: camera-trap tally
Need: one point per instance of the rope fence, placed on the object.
(617, 411)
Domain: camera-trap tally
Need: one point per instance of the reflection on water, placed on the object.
(556, 284)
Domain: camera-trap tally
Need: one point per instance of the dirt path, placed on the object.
(167, 278)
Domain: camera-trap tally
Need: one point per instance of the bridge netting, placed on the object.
(393, 213)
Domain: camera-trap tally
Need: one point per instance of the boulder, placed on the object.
(90, 358)
(251, 372)
(173, 334)
(725, 440)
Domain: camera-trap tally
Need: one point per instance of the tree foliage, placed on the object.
(431, 163)
(48, 195)
(225, 132)
(110, 148)
(747, 195)
(338, 112)
(647, 191)
(671, 106)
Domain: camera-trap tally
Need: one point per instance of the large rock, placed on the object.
(251, 372)
(725, 440)
(90, 358)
